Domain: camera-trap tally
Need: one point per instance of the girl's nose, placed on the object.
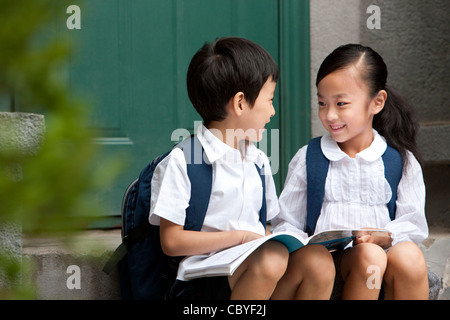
(332, 114)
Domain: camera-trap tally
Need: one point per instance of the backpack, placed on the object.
(145, 271)
(316, 174)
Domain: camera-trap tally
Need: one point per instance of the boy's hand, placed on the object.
(175, 241)
(382, 239)
(249, 236)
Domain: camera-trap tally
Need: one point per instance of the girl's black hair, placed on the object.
(397, 122)
(223, 68)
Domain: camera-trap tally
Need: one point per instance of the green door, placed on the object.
(131, 60)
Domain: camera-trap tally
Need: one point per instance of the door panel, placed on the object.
(131, 61)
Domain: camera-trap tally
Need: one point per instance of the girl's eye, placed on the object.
(341, 104)
(322, 104)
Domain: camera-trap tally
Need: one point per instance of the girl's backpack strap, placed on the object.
(316, 175)
(393, 170)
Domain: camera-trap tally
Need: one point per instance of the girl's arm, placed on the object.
(175, 241)
(292, 216)
(410, 223)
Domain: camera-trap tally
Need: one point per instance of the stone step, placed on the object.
(63, 271)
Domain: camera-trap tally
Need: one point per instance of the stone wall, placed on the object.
(414, 41)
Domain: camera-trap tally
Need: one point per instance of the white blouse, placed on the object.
(236, 194)
(356, 194)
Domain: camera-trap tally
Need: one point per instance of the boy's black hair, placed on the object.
(223, 68)
(397, 122)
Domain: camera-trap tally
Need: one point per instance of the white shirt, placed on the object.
(356, 194)
(236, 194)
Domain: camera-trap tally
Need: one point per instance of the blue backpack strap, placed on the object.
(393, 171)
(263, 210)
(316, 175)
(200, 176)
(317, 169)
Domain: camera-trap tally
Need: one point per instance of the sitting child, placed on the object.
(363, 117)
(231, 83)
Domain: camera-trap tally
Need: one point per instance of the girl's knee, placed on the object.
(363, 257)
(370, 254)
(407, 259)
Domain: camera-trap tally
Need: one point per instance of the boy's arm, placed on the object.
(175, 241)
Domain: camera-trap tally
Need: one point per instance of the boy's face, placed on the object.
(255, 118)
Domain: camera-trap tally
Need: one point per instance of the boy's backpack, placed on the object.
(316, 175)
(145, 271)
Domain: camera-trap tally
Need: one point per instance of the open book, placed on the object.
(225, 262)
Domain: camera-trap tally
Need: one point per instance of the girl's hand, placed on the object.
(382, 239)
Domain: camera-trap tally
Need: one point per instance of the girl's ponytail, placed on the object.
(398, 124)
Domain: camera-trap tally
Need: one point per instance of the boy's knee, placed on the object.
(322, 267)
(312, 261)
(272, 260)
(318, 262)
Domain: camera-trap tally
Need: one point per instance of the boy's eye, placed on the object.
(322, 104)
(341, 104)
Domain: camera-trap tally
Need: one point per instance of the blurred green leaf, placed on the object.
(52, 191)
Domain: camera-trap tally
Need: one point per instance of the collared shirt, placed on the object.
(236, 194)
(356, 194)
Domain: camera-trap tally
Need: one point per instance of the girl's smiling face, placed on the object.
(346, 109)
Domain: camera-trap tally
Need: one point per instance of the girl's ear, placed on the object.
(379, 101)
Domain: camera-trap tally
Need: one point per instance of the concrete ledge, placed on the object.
(52, 272)
(90, 250)
(436, 250)
(21, 136)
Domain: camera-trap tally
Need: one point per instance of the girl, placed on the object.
(362, 115)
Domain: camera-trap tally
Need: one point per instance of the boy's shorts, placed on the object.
(210, 288)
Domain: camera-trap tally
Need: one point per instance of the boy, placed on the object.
(231, 84)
